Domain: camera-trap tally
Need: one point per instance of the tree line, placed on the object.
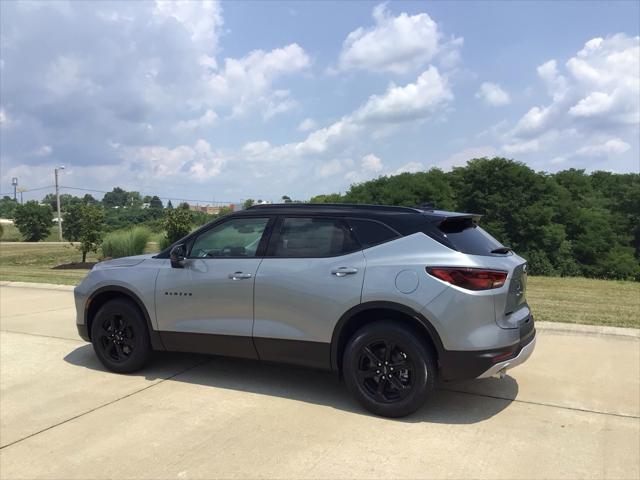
(566, 223)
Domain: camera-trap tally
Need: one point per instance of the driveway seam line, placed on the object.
(564, 407)
(104, 405)
(42, 335)
(38, 312)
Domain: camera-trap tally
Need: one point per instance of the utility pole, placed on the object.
(14, 182)
(55, 173)
(21, 190)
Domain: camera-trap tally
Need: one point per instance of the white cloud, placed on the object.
(43, 151)
(598, 93)
(614, 146)
(460, 158)
(395, 44)
(247, 82)
(207, 119)
(409, 102)
(399, 104)
(330, 168)
(198, 162)
(493, 94)
(306, 125)
(371, 163)
(5, 121)
(202, 19)
(411, 167)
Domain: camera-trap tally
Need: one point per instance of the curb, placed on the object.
(577, 328)
(41, 286)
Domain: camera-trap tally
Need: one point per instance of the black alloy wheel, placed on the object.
(117, 338)
(385, 371)
(389, 368)
(120, 336)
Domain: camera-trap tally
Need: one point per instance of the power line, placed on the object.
(224, 202)
(152, 193)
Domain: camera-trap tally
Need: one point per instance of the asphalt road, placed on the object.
(572, 411)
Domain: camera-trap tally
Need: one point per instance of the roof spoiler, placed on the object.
(443, 216)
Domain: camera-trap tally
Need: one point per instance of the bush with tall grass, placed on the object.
(125, 243)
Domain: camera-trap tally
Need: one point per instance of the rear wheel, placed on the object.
(119, 336)
(388, 369)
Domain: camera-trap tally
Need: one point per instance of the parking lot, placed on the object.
(572, 411)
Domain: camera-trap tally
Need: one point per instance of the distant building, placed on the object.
(208, 209)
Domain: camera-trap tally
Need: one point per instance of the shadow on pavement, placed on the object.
(453, 402)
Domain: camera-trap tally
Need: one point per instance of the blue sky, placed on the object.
(235, 100)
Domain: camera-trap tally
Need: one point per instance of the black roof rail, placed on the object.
(358, 206)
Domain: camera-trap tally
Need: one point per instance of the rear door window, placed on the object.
(467, 237)
(371, 232)
(297, 237)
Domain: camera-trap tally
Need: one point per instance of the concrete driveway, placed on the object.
(572, 411)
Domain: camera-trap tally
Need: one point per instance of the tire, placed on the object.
(120, 337)
(410, 362)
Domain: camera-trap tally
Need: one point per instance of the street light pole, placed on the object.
(55, 172)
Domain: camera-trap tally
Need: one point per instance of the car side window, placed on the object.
(371, 232)
(239, 237)
(312, 238)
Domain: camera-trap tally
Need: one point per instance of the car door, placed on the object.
(207, 306)
(311, 274)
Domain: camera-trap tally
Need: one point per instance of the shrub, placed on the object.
(125, 243)
(33, 220)
(177, 222)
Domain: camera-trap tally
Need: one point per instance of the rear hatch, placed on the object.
(462, 233)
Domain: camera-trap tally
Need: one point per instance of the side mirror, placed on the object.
(177, 255)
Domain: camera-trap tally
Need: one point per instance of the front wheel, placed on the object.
(389, 369)
(119, 336)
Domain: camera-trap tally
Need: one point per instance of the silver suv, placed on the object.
(392, 298)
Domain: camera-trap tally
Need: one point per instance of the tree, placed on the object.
(183, 206)
(155, 202)
(89, 200)
(248, 203)
(7, 207)
(72, 222)
(286, 199)
(177, 223)
(115, 198)
(33, 220)
(84, 224)
(66, 199)
(169, 204)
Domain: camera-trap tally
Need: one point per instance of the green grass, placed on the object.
(32, 262)
(552, 299)
(585, 300)
(11, 234)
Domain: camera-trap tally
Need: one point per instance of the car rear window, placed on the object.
(370, 232)
(467, 237)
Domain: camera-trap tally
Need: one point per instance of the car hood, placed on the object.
(123, 262)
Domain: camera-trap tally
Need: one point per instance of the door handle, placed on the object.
(342, 271)
(239, 275)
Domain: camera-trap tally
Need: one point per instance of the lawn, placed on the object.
(552, 299)
(32, 262)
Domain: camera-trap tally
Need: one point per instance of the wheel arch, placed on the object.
(104, 294)
(369, 312)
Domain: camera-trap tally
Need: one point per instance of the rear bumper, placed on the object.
(524, 354)
(468, 364)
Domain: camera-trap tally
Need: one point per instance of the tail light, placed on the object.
(469, 278)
